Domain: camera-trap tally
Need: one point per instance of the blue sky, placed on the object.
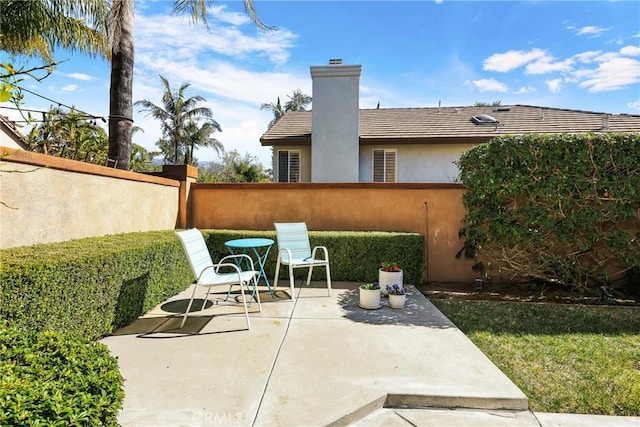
(563, 54)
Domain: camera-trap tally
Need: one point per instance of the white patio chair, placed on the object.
(208, 274)
(295, 251)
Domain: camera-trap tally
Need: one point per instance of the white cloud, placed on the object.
(182, 43)
(630, 51)
(613, 72)
(69, 88)
(545, 65)
(80, 76)
(504, 62)
(554, 85)
(590, 30)
(489, 85)
(525, 90)
(234, 18)
(588, 57)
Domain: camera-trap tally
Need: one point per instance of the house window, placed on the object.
(384, 165)
(288, 166)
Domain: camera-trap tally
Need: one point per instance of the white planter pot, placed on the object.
(397, 301)
(389, 278)
(370, 298)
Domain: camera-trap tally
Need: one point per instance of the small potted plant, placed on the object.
(389, 274)
(370, 296)
(397, 296)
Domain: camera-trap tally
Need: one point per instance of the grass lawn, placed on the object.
(566, 358)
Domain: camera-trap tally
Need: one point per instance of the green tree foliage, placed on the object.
(297, 102)
(234, 168)
(184, 125)
(558, 208)
(69, 134)
(487, 104)
(35, 28)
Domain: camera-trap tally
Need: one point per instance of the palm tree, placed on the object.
(122, 52)
(177, 114)
(34, 28)
(297, 102)
(276, 109)
(199, 135)
(121, 83)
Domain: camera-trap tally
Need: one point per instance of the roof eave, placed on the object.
(286, 141)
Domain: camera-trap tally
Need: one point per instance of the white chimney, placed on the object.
(334, 131)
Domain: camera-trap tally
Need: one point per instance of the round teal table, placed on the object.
(259, 247)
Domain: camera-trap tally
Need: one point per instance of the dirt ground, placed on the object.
(527, 293)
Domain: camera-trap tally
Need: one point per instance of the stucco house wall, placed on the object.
(417, 163)
(305, 160)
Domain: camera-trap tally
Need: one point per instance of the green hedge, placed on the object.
(559, 208)
(90, 287)
(50, 379)
(354, 256)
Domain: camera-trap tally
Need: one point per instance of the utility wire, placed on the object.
(60, 104)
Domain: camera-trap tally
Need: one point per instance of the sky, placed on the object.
(561, 54)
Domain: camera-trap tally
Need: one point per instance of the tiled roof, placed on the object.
(455, 124)
(12, 130)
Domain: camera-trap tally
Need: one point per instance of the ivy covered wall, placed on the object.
(559, 208)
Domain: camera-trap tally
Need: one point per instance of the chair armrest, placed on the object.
(289, 254)
(202, 272)
(240, 257)
(233, 266)
(323, 249)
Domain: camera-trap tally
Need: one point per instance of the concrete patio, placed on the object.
(315, 361)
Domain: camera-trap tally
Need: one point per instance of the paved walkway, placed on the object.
(316, 361)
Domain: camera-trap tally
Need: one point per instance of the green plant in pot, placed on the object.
(370, 296)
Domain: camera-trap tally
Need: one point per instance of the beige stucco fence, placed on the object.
(47, 199)
(434, 210)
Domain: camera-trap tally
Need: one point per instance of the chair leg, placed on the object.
(255, 286)
(186, 313)
(291, 280)
(205, 299)
(328, 280)
(244, 303)
(275, 279)
(309, 275)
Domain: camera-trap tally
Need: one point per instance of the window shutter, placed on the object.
(390, 166)
(378, 165)
(283, 166)
(384, 166)
(294, 166)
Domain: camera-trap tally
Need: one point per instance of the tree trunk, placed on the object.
(121, 91)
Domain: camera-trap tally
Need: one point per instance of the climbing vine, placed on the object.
(559, 208)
